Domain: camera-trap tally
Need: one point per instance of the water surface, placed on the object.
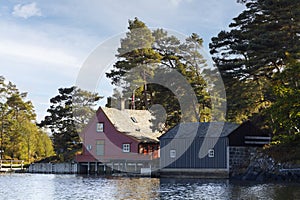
(48, 186)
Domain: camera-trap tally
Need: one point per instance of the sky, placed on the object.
(44, 44)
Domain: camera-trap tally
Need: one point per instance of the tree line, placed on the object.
(20, 137)
(56, 137)
(257, 58)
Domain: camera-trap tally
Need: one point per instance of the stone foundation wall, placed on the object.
(264, 168)
(249, 163)
(240, 157)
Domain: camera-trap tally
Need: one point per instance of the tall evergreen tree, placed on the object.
(254, 51)
(259, 62)
(156, 51)
(70, 111)
(20, 136)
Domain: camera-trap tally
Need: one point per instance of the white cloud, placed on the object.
(177, 2)
(42, 56)
(37, 53)
(45, 44)
(27, 10)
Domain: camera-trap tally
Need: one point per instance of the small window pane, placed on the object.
(173, 153)
(126, 147)
(100, 142)
(100, 127)
(211, 153)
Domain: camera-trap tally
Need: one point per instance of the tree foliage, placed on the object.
(153, 51)
(20, 137)
(284, 114)
(258, 59)
(69, 112)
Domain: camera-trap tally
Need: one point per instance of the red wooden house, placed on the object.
(118, 136)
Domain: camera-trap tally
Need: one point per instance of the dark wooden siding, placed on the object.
(187, 153)
(239, 136)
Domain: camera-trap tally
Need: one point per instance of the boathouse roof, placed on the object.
(200, 129)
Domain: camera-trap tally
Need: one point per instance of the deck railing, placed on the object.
(11, 165)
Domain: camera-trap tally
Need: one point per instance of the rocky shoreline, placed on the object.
(263, 168)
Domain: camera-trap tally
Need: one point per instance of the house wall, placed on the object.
(187, 154)
(113, 140)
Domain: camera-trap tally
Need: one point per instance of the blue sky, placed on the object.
(43, 44)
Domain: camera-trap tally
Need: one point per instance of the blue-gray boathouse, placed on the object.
(203, 149)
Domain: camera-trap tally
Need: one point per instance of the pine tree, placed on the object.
(70, 111)
(19, 133)
(151, 54)
(253, 52)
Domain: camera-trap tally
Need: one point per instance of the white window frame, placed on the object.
(126, 147)
(89, 147)
(100, 127)
(211, 153)
(172, 153)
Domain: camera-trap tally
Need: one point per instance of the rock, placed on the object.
(261, 177)
(262, 167)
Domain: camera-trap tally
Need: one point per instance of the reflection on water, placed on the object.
(225, 189)
(47, 186)
(39, 186)
(193, 189)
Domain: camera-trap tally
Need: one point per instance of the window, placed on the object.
(133, 119)
(126, 148)
(100, 127)
(172, 153)
(89, 147)
(211, 153)
(100, 147)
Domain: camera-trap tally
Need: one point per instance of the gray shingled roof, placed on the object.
(135, 123)
(201, 129)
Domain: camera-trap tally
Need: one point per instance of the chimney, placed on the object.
(118, 103)
(122, 104)
(109, 102)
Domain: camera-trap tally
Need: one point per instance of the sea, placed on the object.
(52, 186)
